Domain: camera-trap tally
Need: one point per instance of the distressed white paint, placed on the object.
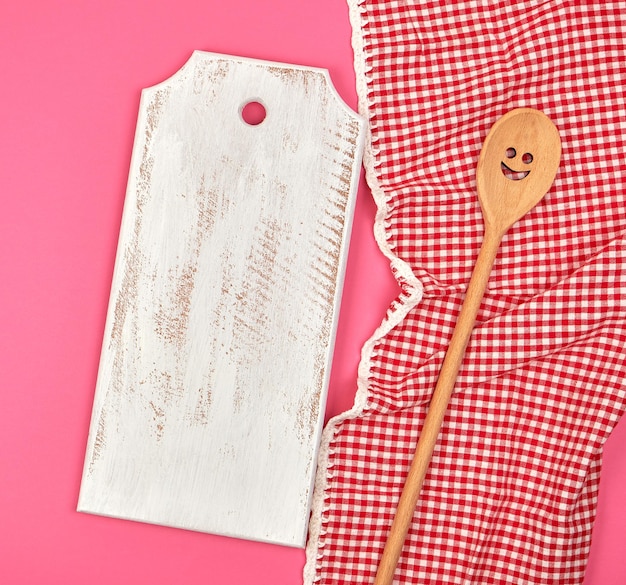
(216, 356)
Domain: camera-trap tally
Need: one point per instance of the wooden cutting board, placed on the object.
(219, 336)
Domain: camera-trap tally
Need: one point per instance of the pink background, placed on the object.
(70, 78)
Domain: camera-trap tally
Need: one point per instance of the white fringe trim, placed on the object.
(411, 296)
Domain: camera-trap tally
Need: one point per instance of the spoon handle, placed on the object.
(437, 408)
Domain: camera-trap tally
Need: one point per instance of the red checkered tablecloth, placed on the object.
(511, 493)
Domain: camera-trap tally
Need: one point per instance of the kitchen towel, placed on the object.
(511, 493)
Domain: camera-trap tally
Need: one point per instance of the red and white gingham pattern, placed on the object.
(511, 493)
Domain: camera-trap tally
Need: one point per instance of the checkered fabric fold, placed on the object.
(511, 493)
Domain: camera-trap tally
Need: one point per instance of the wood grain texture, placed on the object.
(219, 335)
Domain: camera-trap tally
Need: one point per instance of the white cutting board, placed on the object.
(219, 336)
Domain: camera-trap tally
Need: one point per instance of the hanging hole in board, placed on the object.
(253, 112)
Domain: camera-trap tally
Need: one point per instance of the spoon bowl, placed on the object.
(516, 167)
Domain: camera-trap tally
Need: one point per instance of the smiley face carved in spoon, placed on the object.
(515, 161)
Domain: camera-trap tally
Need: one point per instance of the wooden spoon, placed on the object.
(516, 167)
